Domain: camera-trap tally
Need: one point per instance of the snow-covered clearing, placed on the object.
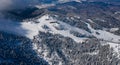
(47, 23)
(52, 25)
(32, 28)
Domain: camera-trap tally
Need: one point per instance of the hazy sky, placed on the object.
(4, 4)
(11, 4)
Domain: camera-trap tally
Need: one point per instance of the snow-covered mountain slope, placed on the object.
(69, 33)
(43, 24)
(47, 23)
